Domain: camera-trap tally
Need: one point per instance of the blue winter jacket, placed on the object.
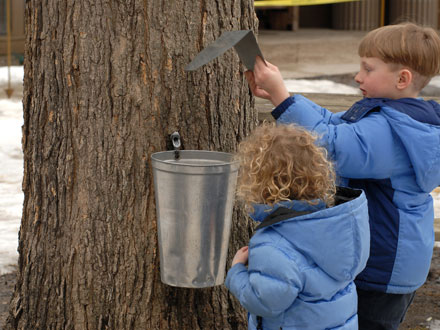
(300, 271)
(390, 149)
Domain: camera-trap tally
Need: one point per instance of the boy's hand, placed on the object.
(266, 82)
(241, 256)
(255, 89)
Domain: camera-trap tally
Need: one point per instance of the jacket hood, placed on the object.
(337, 239)
(417, 124)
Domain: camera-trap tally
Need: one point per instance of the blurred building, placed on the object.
(16, 25)
(352, 15)
(275, 14)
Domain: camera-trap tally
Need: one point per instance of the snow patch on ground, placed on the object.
(11, 159)
(319, 86)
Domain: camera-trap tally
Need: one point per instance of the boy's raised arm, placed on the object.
(266, 82)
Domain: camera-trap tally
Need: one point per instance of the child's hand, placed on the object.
(241, 256)
(255, 89)
(266, 82)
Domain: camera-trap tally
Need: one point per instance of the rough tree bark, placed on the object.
(104, 86)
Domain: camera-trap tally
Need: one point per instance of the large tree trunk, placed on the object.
(104, 86)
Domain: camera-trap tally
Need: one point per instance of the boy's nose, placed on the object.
(357, 78)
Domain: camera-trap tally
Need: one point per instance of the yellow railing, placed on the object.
(270, 3)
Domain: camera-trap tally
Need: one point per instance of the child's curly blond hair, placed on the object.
(283, 162)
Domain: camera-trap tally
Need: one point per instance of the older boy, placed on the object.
(388, 144)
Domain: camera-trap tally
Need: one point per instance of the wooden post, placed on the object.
(382, 13)
(8, 90)
(294, 17)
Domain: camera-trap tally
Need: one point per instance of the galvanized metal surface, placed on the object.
(361, 15)
(243, 41)
(194, 201)
(423, 12)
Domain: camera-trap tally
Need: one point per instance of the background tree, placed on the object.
(104, 86)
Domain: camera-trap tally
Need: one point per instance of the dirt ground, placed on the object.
(425, 309)
(7, 283)
(424, 313)
(312, 53)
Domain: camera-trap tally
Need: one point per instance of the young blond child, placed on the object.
(387, 144)
(312, 241)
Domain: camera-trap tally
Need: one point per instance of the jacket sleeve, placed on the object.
(364, 149)
(270, 284)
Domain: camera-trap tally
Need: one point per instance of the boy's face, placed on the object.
(377, 79)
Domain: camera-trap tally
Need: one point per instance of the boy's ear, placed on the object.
(405, 79)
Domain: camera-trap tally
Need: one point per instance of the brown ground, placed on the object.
(309, 54)
(7, 283)
(424, 311)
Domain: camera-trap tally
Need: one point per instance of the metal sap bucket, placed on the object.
(194, 200)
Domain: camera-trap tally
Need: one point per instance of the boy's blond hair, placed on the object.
(409, 45)
(282, 162)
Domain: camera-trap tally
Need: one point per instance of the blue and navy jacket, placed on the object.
(390, 149)
(301, 269)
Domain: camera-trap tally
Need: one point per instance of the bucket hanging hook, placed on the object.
(175, 140)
